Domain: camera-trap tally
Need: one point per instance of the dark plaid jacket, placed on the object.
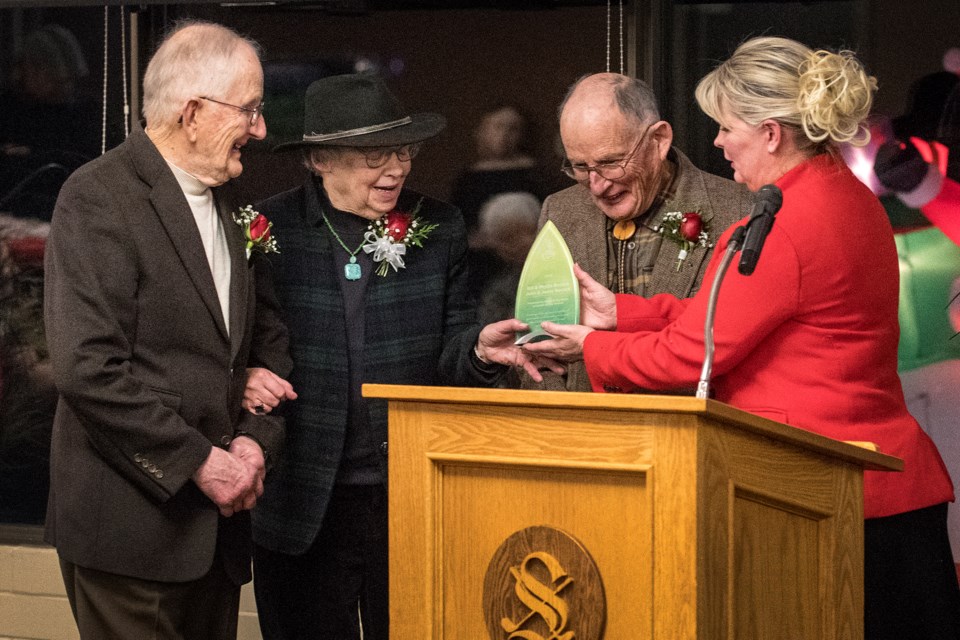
(420, 329)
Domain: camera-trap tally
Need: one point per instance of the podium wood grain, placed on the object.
(704, 521)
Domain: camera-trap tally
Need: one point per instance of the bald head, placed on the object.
(613, 93)
(611, 120)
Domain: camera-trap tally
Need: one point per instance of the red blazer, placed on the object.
(810, 339)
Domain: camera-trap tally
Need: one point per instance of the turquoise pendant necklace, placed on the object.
(351, 270)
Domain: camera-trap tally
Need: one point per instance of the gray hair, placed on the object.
(633, 96)
(196, 58)
(513, 207)
(314, 155)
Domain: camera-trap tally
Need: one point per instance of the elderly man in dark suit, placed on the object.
(629, 177)
(372, 284)
(150, 308)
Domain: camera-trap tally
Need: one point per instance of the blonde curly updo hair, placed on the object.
(824, 96)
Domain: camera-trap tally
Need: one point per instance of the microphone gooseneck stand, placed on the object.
(703, 387)
(750, 237)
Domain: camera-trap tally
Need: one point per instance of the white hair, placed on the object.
(506, 209)
(195, 59)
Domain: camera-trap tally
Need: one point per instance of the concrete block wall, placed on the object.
(33, 605)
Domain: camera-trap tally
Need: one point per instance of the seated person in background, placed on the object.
(507, 228)
(628, 177)
(503, 164)
(810, 338)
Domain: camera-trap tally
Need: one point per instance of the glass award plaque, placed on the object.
(548, 289)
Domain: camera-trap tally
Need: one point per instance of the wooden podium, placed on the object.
(701, 521)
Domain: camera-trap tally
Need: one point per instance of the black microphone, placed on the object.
(769, 201)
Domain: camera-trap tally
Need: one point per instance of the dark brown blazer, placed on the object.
(584, 228)
(148, 374)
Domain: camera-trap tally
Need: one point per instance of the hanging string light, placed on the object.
(106, 74)
(106, 33)
(123, 70)
(621, 38)
(609, 34)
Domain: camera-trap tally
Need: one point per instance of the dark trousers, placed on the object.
(910, 581)
(107, 606)
(340, 580)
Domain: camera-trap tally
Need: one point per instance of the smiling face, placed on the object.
(594, 131)
(353, 186)
(222, 130)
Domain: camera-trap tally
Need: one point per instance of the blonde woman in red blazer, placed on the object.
(810, 338)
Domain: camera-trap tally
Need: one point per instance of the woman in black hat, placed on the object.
(372, 284)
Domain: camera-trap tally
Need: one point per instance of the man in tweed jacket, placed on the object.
(629, 176)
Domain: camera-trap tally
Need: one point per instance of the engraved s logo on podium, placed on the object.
(542, 584)
(542, 599)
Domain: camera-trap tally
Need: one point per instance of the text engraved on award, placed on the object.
(548, 288)
(542, 584)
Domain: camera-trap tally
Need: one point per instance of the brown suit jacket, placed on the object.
(584, 228)
(148, 374)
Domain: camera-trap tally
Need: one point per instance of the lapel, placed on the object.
(689, 194)
(586, 226)
(175, 215)
(326, 276)
(239, 266)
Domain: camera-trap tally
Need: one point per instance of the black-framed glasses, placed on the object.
(376, 157)
(607, 170)
(255, 112)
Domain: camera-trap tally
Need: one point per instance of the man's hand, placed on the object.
(598, 305)
(228, 481)
(265, 391)
(567, 343)
(249, 451)
(496, 344)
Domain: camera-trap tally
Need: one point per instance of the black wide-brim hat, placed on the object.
(357, 110)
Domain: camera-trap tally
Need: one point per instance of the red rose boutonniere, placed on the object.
(388, 237)
(688, 230)
(256, 231)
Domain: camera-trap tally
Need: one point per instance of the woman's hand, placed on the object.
(598, 305)
(265, 391)
(566, 346)
(496, 344)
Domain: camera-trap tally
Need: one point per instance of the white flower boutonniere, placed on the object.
(688, 230)
(388, 237)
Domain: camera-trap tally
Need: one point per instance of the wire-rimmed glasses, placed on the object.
(255, 112)
(376, 157)
(607, 170)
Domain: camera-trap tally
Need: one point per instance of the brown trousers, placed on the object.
(108, 606)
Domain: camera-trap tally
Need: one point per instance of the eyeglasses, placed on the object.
(255, 112)
(376, 157)
(607, 170)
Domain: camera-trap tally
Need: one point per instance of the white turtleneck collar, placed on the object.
(202, 204)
